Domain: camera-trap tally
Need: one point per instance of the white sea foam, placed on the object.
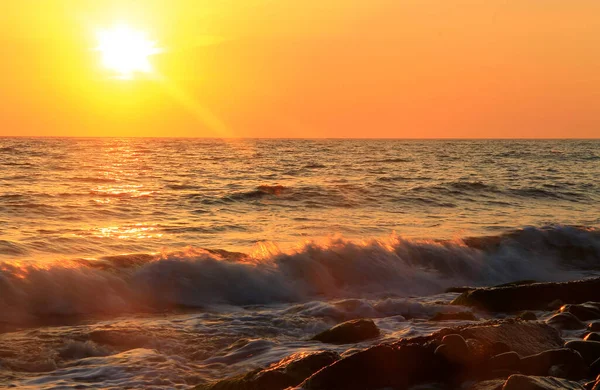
(334, 270)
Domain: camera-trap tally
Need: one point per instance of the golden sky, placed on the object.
(306, 68)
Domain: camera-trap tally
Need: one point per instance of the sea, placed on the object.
(169, 263)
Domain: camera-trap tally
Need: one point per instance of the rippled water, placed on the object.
(95, 197)
(167, 263)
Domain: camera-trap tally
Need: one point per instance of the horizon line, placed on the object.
(309, 138)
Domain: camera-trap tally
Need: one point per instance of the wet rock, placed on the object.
(288, 372)
(477, 350)
(522, 382)
(353, 331)
(460, 316)
(565, 321)
(592, 337)
(525, 338)
(573, 365)
(454, 349)
(505, 361)
(493, 384)
(589, 350)
(594, 326)
(584, 312)
(527, 316)
(595, 368)
(536, 296)
(499, 347)
(377, 367)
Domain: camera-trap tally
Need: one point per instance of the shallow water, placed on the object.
(168, 263)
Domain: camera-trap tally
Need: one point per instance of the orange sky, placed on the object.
(309, 68)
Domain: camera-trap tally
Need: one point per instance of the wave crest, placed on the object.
(30, 291)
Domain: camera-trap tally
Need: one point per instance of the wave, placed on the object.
(93, 179)
(337, 269)
(454, 188)
(314, 166)
(259, 192)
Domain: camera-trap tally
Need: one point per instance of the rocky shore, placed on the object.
(517, 352)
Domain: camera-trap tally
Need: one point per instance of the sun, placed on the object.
(125, 50)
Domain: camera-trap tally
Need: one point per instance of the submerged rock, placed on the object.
(460, 316)
(522, 382)
(353, 331)
(288, 372)
(536, 296)
(565, 321)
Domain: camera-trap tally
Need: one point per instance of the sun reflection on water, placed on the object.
(136, 231)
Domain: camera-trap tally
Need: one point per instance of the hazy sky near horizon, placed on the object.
(310, 68)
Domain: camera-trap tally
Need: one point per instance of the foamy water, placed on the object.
(168, 263)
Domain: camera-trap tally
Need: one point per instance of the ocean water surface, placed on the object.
(168, 263)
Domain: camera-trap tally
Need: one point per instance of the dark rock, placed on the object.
(529, 297)
(494, 384)
(525, 338)
(454, 349)
(592, 337)
(595, 368)
(527, 316)
(499, 374)
(377, 367)
(584, 312)
(464, 356)
(565, 321)
(522, 382)
(477, 349)
(461, 316)
(590, 350)
(505, 361)
(499, 347)
(540, 364)
(288, 372)
(594, 326)
(353, 331)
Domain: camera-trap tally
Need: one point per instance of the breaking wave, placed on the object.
(197, 278)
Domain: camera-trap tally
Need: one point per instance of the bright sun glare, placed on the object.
(126, 50)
